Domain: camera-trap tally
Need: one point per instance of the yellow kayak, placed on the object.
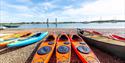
(4, 43)
(15, 35)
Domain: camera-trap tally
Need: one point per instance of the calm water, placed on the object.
(76, 25)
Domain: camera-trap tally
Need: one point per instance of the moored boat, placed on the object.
(104, 43)
(33, 39)
(82, 49)
(63, 49)
(45, 50)
(11, 26)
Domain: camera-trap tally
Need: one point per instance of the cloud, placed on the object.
(104, 9)
(64, 10)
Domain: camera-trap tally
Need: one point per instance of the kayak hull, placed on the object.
(45, 57)
(28, 41)
(116, 37)
(113, 49)
(61, 55)
(86, 56)
(4, 43)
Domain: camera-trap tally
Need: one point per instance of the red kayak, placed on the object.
(116, 37)
(83, 51)
(93, 32)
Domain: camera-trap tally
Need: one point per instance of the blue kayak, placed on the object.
(33, 39)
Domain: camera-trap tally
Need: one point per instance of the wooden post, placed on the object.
(47, 23)
(56, 22)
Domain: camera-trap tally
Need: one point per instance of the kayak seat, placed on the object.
(66, 43)
(50, 43)
(63, 38)
(76, 38)
(50, 38)
(26, 34)
(63, 49)
(44, 50)
(83, 49)
(36, 35)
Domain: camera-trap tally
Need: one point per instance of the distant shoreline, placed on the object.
(99, 21)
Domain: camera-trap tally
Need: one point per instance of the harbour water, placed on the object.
(76, 25)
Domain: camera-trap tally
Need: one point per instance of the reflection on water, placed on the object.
(76, 25)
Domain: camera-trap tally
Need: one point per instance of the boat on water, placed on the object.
(11, 26)
(114, 47)
(82, 49)
(2, 27)
(45, 50)
(33, 39)
(63, 49)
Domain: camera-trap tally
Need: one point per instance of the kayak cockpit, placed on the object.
(63, 38)
(50, 38)
(76, 38)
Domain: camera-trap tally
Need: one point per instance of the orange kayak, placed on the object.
(15, 35)
(83, 50)
(45, 50)
(63, 49)
(24, 36)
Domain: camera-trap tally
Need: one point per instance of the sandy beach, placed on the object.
(25, 54)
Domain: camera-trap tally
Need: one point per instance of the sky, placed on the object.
(63, 10)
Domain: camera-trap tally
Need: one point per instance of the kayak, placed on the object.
(1, 35)
(33, 39)
(109, 45)
(15, 35)
(4, 43)
(63, 49)
(111, 36)
(45, 50)
(83, 50)
(116, 37)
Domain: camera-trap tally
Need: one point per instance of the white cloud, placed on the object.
(7, 6)
(23, 1)
(25, 15)
(101, 9)
(107, 9)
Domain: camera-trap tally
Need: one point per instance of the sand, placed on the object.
(25, 54)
